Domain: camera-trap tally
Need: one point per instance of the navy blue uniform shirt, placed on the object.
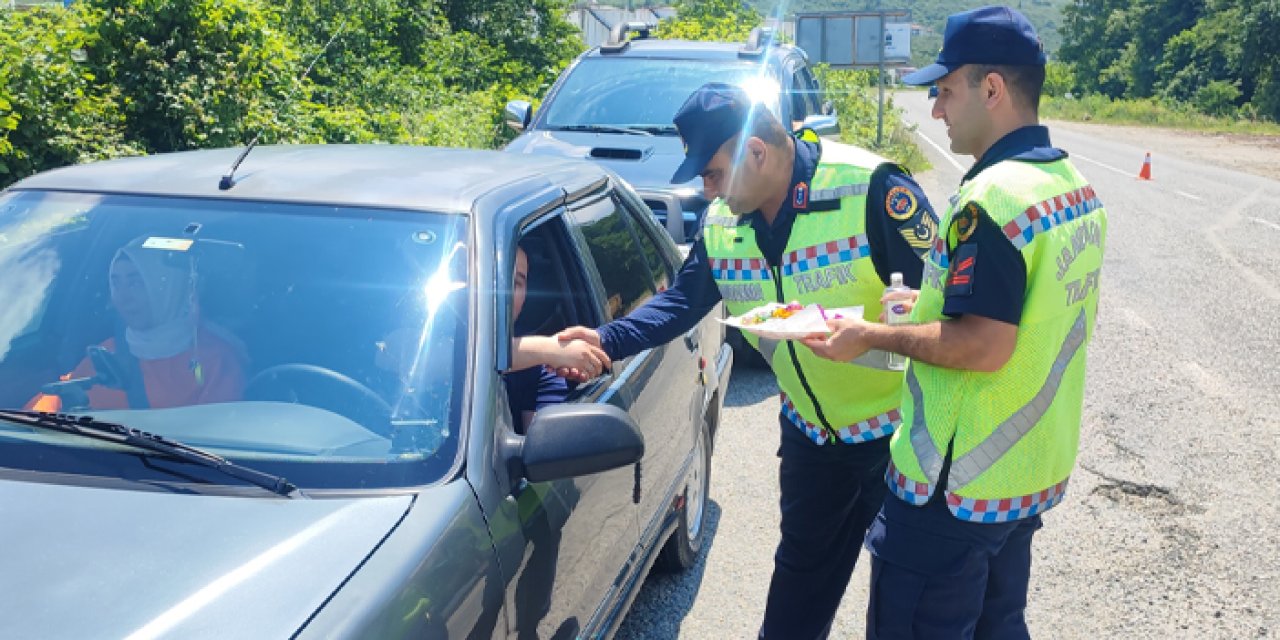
(897, 242)
(988, 275)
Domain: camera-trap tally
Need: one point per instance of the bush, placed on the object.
(52, 112)
(1217, 98)
(855, 97)
(197, 73)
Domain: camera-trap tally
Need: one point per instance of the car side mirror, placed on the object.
(828, 108)
(823, 125)
(570, 440)
(518, 114)
(933, 91)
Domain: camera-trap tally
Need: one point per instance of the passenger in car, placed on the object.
(532, 382)
(165, 355)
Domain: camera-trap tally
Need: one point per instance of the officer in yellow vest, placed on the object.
(993, 395)
(795, 219)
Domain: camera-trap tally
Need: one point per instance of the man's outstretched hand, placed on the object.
(586, 337)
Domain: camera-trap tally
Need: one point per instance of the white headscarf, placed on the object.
(169, 294)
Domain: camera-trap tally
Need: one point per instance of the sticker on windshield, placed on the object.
(167, 244)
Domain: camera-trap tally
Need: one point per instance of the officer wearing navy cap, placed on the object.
(994, 392)
(814, 222)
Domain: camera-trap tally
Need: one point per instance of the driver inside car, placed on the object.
(531, 382)
(162, 352)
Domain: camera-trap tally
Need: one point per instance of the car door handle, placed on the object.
(691, 338)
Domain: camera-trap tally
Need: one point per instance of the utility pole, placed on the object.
(880, 80)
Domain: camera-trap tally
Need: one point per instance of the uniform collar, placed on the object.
(803, 167)
(1030, 143)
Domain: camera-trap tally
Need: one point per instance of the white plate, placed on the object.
(807, 321)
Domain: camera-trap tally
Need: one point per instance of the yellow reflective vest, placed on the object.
(826, 261)
(1013, 433)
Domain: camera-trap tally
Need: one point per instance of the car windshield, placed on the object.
(325, 344)
(638, 92)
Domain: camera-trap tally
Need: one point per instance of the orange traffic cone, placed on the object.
(1145, 172)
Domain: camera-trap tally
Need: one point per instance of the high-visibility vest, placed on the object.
(1012, 433)
(826, 261)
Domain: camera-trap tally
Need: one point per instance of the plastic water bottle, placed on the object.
(896, 313)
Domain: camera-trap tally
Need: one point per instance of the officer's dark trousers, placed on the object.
(830, 494)
(934, 576)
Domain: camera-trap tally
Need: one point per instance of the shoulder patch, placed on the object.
(900, 203)
(960, 274)
(965, 221)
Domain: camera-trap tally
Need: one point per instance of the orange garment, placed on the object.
(169, 382)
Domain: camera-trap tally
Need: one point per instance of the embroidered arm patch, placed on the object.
(960, 274)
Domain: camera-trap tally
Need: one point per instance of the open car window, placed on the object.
(325, 344)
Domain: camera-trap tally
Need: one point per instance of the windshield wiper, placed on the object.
(659, 129)
(89, 427)
(603, 128)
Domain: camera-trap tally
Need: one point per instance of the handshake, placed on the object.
(574, 354)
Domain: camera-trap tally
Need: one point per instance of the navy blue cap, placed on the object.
(988, 35)
(710, 117)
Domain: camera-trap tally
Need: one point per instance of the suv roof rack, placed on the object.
(618, 39)
(759, 40)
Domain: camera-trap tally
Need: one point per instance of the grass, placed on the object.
(1150, 113)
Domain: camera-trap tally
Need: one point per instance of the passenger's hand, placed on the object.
(902, 299)
(579, 360)
(846, 341)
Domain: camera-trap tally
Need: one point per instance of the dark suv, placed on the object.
(614, 105)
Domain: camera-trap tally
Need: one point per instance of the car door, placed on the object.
(580, 533)
(659, 387)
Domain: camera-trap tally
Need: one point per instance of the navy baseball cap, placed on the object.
(989, 35)
(710, 117)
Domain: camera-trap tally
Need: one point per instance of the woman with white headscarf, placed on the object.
(170, 357)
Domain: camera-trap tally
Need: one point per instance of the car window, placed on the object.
(659, 269)
(646, 92)
(622, 264)
(804, 94)
(322, 343)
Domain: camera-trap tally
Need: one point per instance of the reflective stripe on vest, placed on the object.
(864, 431)
(969, 509)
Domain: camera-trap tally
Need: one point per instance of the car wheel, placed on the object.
(682, 548)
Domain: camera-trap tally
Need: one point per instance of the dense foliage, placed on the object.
(105, 78)
(1222, 56)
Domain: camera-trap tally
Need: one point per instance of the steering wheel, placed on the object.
(324, 388)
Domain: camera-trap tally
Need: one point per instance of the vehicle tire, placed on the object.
(743, 352)
(681, 549)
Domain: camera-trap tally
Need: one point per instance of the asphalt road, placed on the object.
(1171, 526)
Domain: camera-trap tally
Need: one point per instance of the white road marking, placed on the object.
(1188, 195)
(959, 167)
(1103, 165)
(1266, 222)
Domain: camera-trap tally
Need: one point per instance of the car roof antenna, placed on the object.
(229, 179)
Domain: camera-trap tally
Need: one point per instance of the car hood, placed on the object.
(646, 162)
(83, 562)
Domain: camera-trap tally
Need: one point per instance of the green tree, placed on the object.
(718, 20)
(196, 73)
(52, 110)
